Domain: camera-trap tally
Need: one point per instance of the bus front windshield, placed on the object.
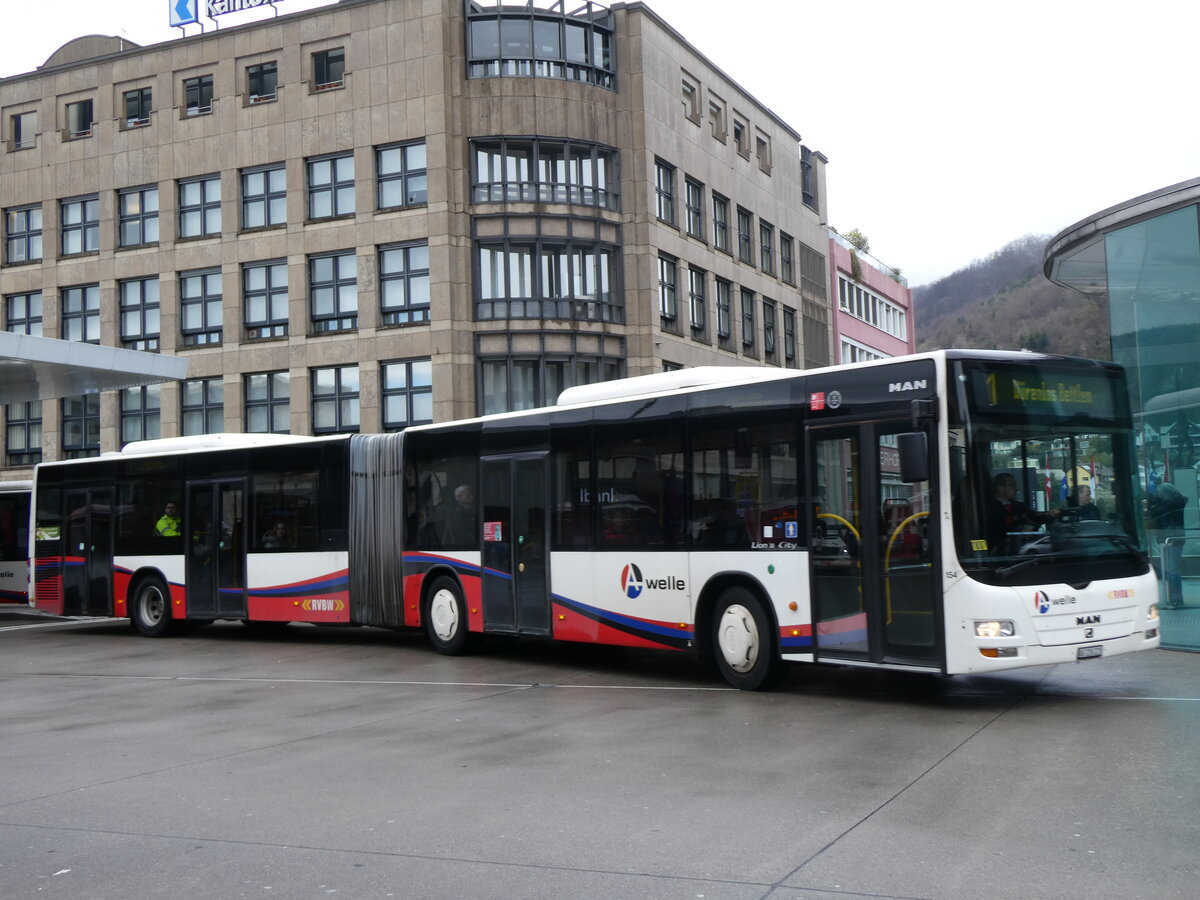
(1043, 473)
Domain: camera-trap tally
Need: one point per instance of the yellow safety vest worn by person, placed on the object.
(168, 526)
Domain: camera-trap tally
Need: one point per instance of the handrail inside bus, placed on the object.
(887, 560)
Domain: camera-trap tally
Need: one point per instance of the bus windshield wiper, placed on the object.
(1019, 565)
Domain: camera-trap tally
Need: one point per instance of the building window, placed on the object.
(200, 206)
(789, 335)
(23, 433)
(745, 243)
(23, 130)
(766, 247)
(548, 279)
(691, 100)
(762, 149)
(268, 403)
(747, 321)
(664, 190)
(79, 119)
(697, 301)
(808, 178)
(264, 197)
(694, 201)
(197, 95)
(333, 291)
(81, 313)
(139, 313)
(331, 187)
(401, 174)
(261, 81)
(202, 406)
(81, 426)
(769, 317)
(23, 234)
(720, 207)
(23, 313)
(137, 210)
(329, 69)
(137, 107)
(141, 416)
(79, 224)
(854, 352)
(512, 383)
(265, 299)
(716, 117)
(869, 307)
(527, 41)
(335, 400)
(404, 283)
(787, 258)
(544, 171)
(406, 388)
(724, 314)
(816, 333)
(200, 307)
(668, 304)
(741, 137)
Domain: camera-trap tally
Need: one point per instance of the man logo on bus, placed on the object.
(1042, 601)
(631, 581)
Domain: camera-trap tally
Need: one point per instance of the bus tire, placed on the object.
(445, 617)
(743, 644)
(151, 612)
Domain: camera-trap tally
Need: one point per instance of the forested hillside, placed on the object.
(1004, 302)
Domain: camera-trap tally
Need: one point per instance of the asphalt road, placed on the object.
(358, 763)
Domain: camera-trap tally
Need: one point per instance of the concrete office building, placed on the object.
(383, 212)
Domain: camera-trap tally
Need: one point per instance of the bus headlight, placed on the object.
(1003, 628)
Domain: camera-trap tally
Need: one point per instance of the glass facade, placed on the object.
(1150, 271)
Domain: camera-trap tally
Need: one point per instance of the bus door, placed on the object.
(516, 598)
(875, 594)
(214, 535)
(87, 546)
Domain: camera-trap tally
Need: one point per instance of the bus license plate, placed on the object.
(1089, 652)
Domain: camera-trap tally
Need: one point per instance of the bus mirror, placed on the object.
(914, 457)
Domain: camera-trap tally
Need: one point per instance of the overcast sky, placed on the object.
(951, 128)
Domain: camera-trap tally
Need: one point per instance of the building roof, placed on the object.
(39, 368)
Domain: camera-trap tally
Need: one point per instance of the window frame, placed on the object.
(145, 221)
(664, 192)
(410, 391)
(143, 102)
(276, 401)
(87, 418)
(272, 199)
(693, 201)
(87, 229)
(211, 401)
(145, 309)
(26, 419)
(340, 319)
(79, 317)
(27, 236)
(745, 236)
(268, 74)
(322, 69)
(787, 258)
(197, 88)
(210, 305)
(668, 290)
(405, 176)
(408, 312)
(720, 211)
(335, 187)
(723, 293)
(273, 323)
(698, 301)
(748, 324)
(146, 416)
(75, 113)
(29, 318)
(203, 208)
(345, 401)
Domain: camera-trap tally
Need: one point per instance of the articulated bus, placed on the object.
(14, 542)
(902, 514)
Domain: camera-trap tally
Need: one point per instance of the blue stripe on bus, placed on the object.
(625, 623)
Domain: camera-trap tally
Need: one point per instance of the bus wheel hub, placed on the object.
(737, 637)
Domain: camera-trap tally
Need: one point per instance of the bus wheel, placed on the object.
(742, 641)
(446, 617)
(151, 613)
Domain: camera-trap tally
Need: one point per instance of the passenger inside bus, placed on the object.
(620, 530)
(276, 537)
(168, 525)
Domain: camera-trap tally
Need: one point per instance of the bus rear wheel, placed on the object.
(446, 617)
(151, 613)
(742, 641)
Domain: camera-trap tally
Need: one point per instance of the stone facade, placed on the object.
(409, 76)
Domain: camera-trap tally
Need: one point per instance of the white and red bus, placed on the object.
(14, 542)
(850, 515)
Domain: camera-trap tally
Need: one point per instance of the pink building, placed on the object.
(872, 315)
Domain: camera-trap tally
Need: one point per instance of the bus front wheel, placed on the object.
(742, 643)
(151, 613)
(446, 617)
